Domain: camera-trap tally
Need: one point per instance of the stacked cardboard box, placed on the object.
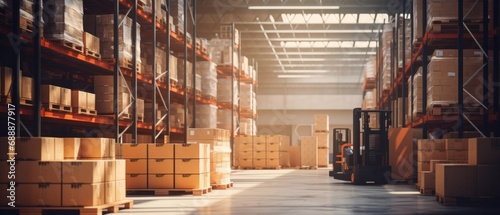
(189, 73)
(268, 151)
(147, 61)
(104, 99)
(167, 166)
(386, 54)
(323, 148)
(220, 152)
(247, 98)
(66, 172)
(321, 135)
(148, 108)
(243, 151)
(66, 22)
(83, 101)
(177, 13)
(208, 72)
(244, 66)
(172, 68)
(248, 126)
(52, 94)
(370, 99)
(177, 115)
(91, 45)
(225, 93)
(417, 95)
(206, 116)
(309, 152)
(222, 53)
(26, 85)
(226, 32)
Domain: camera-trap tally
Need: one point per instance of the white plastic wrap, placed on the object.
(224, 90)
(220, 52)
(246, 96)
(224, 119)
(206, 116)
(104, 30)
(65, 22)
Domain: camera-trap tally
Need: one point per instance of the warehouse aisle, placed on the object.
(298, 192)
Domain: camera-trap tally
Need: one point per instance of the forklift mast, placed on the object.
(374, 141)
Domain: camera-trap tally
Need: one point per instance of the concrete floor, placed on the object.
(293, 191)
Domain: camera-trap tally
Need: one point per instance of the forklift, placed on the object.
(367, 158)
(341, 136)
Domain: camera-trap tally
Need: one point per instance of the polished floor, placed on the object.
(291, 191)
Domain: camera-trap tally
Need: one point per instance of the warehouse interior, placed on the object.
(250, 106)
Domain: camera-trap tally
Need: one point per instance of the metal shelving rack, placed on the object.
(488, 117)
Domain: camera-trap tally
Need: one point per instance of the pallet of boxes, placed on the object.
(220, 154)
(262, 152)
(321, 131)
(165, 168)
(63, 174)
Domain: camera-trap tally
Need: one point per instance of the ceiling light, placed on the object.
(293, 7)
(294, 76)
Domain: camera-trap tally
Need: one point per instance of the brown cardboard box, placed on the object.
(91, 42)
(71, 148)
(424, 166)
(457, 144)
(120, 169)
(447, 184)
(109, 170)
(431, 155)
(160, 166)
(160, 181)
(191, 166)
(243, 146)
(220, 178)
(285, 159)
(428, 180)
(83, 171)
(65, 96)
(273, 146)
(277, 139)
(244, 139)
(96, 148)
(109, 192)
(58, 149)
(245, 162)
(121, 190)
(309, 151)
(259, 162)
(191, 151)
(136, 181)
(487, 180)
(259, 139)
(206, 134)
(244, 154)
(259, 154)
(35, 148)
(457, 154)
(50, 94)
(90, 101)
(27, 87)
(37, 172)
(136, 166)
(130, 150)
(323, 138)
(323, 157)
(161, 151)
(79, 99)
(273, 154)
(272, 162)
(295, 156)
(431, 144)
(46, 195)
(190, 181)
(78, 195)
(259, 146)
(484, 151)
(454, 53)
(321, 122)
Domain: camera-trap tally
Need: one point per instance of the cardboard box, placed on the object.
(109, 192)
(244, 154)
(220, 178)
(91, 101)
(285, 159)
(96, 148)
(191, 166)
(273, 162)
(487, 180)
(484, 151)
(130, 150)
(431, 155)
(323, 157)
(428, 180)
(321, 122)
(71, 148)
(295, 156)
(83, 171)
(109, 170)
(457, 154)
(447, 184)
(136, 166)
(35, 148)
(259, 146)
(431, 144)
(58, 149)
(78, 195)
(91, 42)
(160, 166)
(259, 162)
(37, 172)
(309, 151)
(243, 146)
(244, 139)
(457, 144)
(31, 195)
(259, 139)
(245, 162)
(120, 169)
(161, 151)
(273, 154)
(136, 181)
(190, 181)
(323, 138)
(424, 166)
(79, 99)
(206, 134)
(160, 181)
(65, 97)
(50, 94)
(27, 88)
(191, 151)
(273, 146)
(121, 190)
(259, 154)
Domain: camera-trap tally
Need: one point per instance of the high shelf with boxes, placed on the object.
(461, 98)
(71, 96)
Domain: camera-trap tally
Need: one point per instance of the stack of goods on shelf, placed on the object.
(148, 108)
(417, 22)
(83, 102)
(141, 138)
(408, 44)
(177, 13)
(220, 153)
(439, 12)
(478, 178)
(208, 72)
(247, 98)
(370, 100)
(222, 53)
(247, 126)
(103, 88)
(55, 98)
(167, 166)
(226, 32)
(227, 92)
(401, 153)
(262, 152)
(66, 23)
(189, 73)
(322, 134)
(308, 152)
(172, 68)
(177, 115)
(148, 59)
(397, 114)
(224, 119)
(253, 73)
(386, 56)
(442, 79)
(416, 100)
(245, 67)
(26, 22)
(161, 9)
(91, 45)
(206, 116)
(102, 27)
(26, 85)
(64, 172)
(370, 93)
(402, 40)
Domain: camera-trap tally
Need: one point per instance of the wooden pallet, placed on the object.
(88, 210)
(452, 109)
(84, 111)
(167, 192)
(125, 63)
(322, 166)
(306, 167)
(222, 186)
(70, 45)
(92, 53)
(427, 192)
(452, 27)
(26, 25)
(58, 107)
